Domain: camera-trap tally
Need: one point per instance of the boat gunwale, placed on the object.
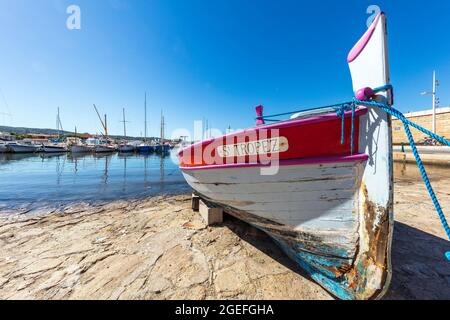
(360, 111)
(287, 162)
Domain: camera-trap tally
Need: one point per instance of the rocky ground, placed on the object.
(160, 249)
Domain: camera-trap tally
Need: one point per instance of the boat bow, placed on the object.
(320, 184)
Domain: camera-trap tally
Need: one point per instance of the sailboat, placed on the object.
(320, 183)
(145, 147)
(124, 146)
(103, 145)
(162, 147)
(79, 146)
(55, 146)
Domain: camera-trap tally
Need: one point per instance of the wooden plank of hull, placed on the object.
(327, 214)
(329, 207)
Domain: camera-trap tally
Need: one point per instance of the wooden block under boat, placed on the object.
(211, 215)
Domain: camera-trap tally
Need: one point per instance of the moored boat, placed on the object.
(104, 148)
(23, 148)
(4, 147)
(54, 148)
(162, 148)
(126, 148)
(81, 148)
(320, 184)
(145, 148)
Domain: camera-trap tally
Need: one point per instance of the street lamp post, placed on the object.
(433, 94)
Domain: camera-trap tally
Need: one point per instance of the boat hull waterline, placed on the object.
(126, 148)
(81, 149)
(19, 148)
(104, 149)
(4, 148)
(328, 207)
(53, 149)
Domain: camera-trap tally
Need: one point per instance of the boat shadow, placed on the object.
(420, 269)
(263, 242)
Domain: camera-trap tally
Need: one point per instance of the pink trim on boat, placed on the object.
(280, 125)
(290, 162)
(361, 44)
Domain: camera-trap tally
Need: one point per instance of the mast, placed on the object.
(145, 108)
(57, 123)
(106, 127)
(162, 128)
(124, 124)
(104, 124)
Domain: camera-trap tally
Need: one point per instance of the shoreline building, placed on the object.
(425, 119)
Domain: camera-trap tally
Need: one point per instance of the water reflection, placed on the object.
(57, 178)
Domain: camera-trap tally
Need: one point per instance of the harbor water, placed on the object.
(31, 181)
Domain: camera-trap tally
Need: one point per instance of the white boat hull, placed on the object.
(301, 197)
(16, 148)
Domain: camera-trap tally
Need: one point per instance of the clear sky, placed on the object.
(214, 59)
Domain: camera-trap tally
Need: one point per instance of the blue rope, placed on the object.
(335, 106)
(406, 123)
(401, 117)
(340, 111)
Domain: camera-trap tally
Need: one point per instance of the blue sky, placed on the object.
(204, 59)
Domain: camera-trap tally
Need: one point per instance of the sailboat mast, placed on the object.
(162, 128)
(145, 108)
(57, 123)
(106, 127)
(124, 125)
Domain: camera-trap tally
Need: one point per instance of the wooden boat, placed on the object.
(125, 146)
(329, 209)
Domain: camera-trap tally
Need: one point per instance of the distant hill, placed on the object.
(23, 130)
